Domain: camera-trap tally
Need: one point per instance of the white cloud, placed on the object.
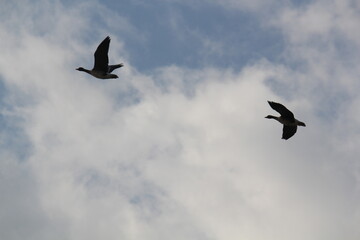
(178, 153)
(243, 5)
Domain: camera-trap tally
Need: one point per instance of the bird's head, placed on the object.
(80, 69)
(270, 117)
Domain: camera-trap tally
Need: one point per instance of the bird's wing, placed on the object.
(101, 55)
(288, 131)
(284, 112)
(113, 67)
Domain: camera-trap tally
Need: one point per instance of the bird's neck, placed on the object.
(85, 70)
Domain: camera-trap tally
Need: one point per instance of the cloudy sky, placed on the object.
(178, 147)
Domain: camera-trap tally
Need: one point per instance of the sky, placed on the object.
(178, 147)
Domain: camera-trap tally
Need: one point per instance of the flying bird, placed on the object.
(101, 68)
(286, 118)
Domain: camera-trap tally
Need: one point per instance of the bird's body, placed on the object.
(101, 68)
(286, 118)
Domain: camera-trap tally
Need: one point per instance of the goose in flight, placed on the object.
(101, 68)
(286, 118)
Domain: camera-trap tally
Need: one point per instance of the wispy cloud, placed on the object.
(179, 152)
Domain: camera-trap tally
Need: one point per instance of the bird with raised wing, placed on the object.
(286, 118)
(101, 68)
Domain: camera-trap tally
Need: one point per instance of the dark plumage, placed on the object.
(286, 118)
(101, 68)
